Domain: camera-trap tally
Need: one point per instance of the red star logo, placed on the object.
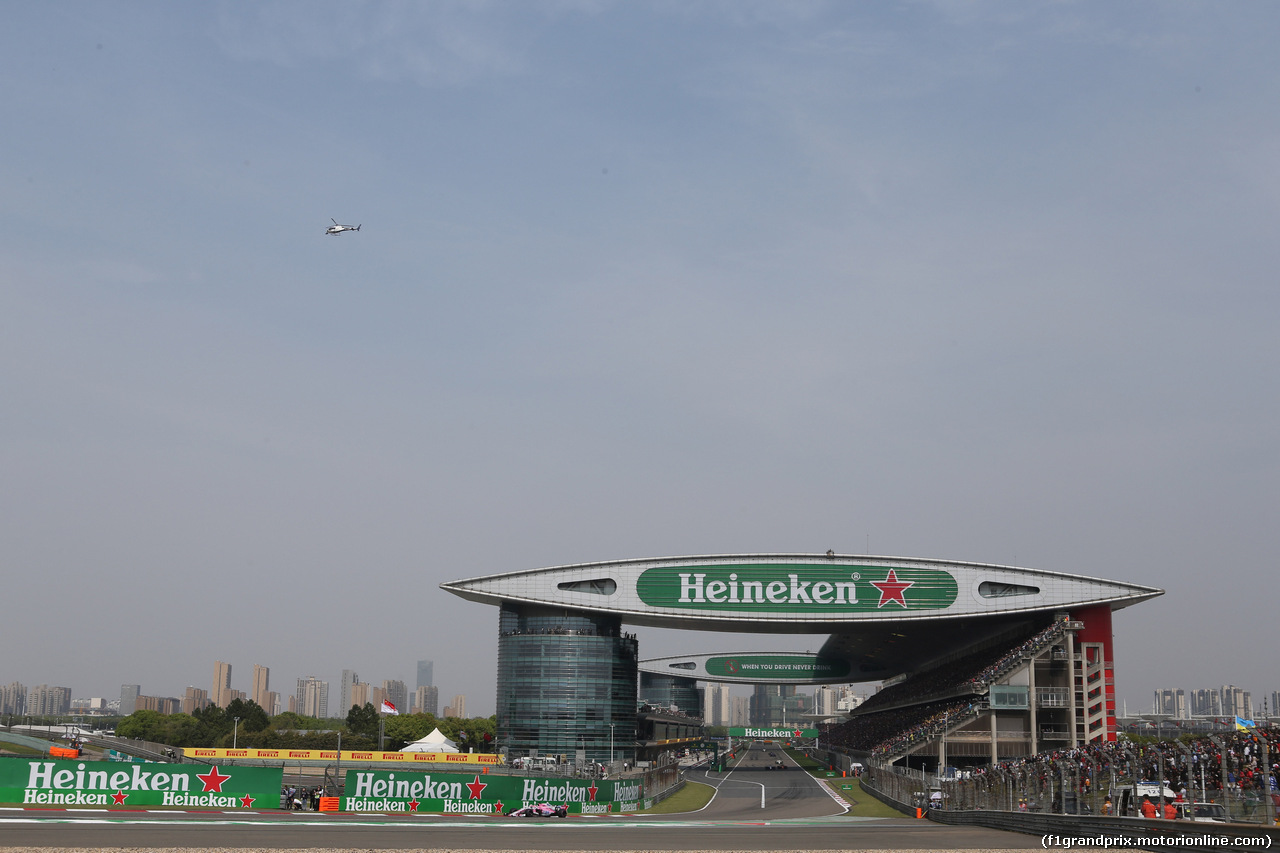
(477, 787)
(246, 801)
(119, 797)
(799, 733)
(592, 791)
(891, 589)
(413, 805)
(498, 807)
(212, 780)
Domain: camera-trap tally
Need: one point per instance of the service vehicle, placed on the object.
(1203, 812)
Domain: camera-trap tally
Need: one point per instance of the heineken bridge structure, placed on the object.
(983, 661)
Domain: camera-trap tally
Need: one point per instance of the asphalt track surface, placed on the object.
(798, 813)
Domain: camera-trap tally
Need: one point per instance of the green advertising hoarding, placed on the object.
(795, 589)
(764, 667)
(110, 784)
(772, 734)
(479, 793)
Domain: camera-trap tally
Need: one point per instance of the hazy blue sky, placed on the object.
(965, 280)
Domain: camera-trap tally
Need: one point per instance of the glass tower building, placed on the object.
(671, 692)
(566, 682)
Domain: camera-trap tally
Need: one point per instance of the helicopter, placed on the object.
(338, 229)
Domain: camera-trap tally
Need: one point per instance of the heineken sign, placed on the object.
(457, 793)
(772, 734)
(769, 667)
(793, 589)
(107, 783)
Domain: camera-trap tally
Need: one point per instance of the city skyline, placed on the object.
(1243, 704)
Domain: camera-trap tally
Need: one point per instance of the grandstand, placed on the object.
(1008, 699)
(980, 662)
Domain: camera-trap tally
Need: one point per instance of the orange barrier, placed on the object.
(64, 752)
(330, 804)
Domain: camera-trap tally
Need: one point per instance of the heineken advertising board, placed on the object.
(474, 793)
(773, 734)
(765, 667)
(107, 783)
(797, 588)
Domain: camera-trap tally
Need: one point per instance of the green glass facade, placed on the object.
(566, 681)
(671, 691)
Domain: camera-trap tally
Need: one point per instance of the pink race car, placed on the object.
(540, 810)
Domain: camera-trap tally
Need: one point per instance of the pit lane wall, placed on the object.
(406, 792)
(108, 784)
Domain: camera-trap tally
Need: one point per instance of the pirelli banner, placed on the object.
(395, 791)
(412, 758)
(108, 784)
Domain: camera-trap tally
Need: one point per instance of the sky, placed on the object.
(984, 281)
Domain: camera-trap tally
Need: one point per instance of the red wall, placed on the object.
(1097, 629)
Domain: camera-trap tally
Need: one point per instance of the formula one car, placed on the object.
(540, 810)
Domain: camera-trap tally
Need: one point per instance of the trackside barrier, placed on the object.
(908, 790)
(1145, 834)
(891, 802)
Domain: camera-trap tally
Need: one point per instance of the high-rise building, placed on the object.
(220, 695)
(397, 693)
(261, 686)
(13, 698)
(160, 704)
(46, 701)
(194, 699)
(129, 698)
(1172, 703)
(1236, 701)
(716, 712)
(848, 700)
(826, 701)
(313, 697)
(426, 700)
(425, 668)
(777, 704)
(272, 698)
(739, 711)
(346, 699)
(93, 705)
(458, 707)
(359, 695)
(1206, 703)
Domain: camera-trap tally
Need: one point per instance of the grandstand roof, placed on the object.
(886, 615)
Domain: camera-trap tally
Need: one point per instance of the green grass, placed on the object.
(690, 798)
(18, 748)
(861, 804)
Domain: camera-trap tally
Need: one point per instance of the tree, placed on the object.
(252, 717)
(363, 720)
(291, 721)
(142, 725)
(181, 730)
(407, 728)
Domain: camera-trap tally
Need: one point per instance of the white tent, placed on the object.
(434, 742)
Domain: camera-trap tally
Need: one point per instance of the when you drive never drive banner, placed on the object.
(111, 784)
(477, 793)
